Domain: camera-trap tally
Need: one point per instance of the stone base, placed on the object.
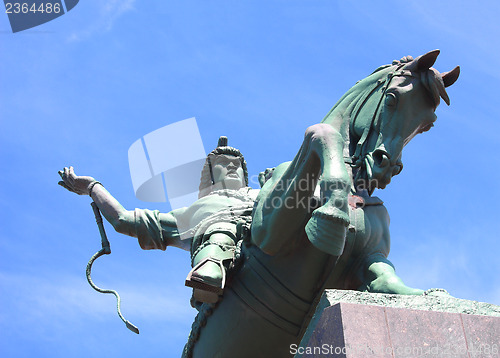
(354, 324)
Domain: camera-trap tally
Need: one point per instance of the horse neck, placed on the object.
(346, 110)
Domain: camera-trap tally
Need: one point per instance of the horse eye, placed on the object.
(391, 100)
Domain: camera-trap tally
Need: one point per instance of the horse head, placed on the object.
(384, 111)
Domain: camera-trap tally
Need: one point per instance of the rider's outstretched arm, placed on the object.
(121, 219)
(153, 229)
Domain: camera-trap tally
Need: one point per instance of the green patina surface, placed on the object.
(314, 222)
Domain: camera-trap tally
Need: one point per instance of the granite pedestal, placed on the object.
(354, 324)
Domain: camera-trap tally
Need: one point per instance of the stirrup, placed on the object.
(204, 291)
(196, 282)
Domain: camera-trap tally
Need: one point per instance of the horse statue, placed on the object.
(315, 223)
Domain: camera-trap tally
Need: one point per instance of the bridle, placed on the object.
(357, 160)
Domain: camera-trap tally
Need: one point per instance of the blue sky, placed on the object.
(81, 89)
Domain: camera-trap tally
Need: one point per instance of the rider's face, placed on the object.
(227, 171)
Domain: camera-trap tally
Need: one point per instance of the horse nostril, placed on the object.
(381, 159)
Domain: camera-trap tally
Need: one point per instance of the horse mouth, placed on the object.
(377, 171)
(380, 180)
(372, 178)
(383, 184)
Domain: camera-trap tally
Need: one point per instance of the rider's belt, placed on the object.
(232, 216)
(275, 303)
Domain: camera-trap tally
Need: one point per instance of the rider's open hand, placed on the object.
(72, 182)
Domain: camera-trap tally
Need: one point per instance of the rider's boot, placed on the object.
(210, 263)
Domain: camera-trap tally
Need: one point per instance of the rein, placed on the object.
(357, 159)
(106, 250)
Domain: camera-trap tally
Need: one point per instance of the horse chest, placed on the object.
(359, 230)
(367, 234)
(367, 229)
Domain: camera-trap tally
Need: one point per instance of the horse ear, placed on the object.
(424, 62)
(450, 77)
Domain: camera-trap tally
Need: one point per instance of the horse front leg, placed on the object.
(282, 208)
(381, 278)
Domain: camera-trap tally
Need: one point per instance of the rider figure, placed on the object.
(210, 227)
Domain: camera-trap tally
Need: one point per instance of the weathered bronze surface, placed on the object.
(262, 258)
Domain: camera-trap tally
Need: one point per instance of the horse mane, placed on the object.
(341, 113)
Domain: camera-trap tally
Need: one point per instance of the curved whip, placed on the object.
(106, 250)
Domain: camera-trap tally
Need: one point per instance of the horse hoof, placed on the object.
(327, 231)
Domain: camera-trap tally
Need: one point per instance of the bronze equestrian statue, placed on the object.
(313, 225)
